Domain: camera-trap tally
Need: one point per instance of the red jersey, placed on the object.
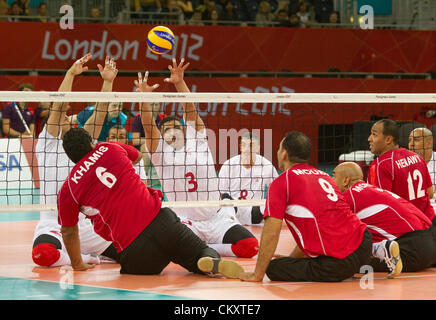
(386, 214)
(315, 212)
(406, 174)
(105, 187)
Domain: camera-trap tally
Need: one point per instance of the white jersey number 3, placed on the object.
(327, 187)
(107, 178)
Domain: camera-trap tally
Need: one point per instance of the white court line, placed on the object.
(38, 296)
(89, 292)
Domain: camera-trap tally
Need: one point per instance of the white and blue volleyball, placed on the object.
(160, 40)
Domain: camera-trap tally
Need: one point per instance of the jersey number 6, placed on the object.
(107, 178)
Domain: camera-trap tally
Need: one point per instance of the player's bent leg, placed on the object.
(243, 243)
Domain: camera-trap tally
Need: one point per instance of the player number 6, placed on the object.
(107, 178)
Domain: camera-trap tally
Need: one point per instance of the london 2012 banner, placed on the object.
(34, 45)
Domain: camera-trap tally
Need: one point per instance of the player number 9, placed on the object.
(328, 188)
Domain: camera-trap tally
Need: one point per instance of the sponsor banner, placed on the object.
(227, 121)
(221, 48)
(15, 168)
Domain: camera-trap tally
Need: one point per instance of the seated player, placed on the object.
(119, 134)
(245, 176)
(421, 142)
(398, 228)
(183, 161)
(397, 169)
(54, 166)
(332, 243)
(104, 186)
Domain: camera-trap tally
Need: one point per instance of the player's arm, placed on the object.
(268, 244)
(58, 109)
(224, 181)
(95, 123)
(274, 213)
(68, 211)
(152, 133)
(176, 78)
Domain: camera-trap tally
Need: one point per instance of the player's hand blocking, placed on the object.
(142, 85)
(79, 66)
(110, 71)
(177, 71)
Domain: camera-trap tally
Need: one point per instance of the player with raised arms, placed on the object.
(183, 161)
(53, 167)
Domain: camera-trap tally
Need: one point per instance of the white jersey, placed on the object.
(188, 174)
(140, 170)
(53, 168)
(243, 183)
(431, 165)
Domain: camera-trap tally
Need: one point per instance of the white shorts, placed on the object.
(90, 242)
(212, 231)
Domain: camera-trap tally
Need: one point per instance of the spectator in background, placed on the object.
(213, 18)
(94, 14)
(283, 19)
(304, 14)
(15, 12)
(209, 6)
(196, 19)
(17, 118)
(187, 8)
(264, 16)
(146, 5)
(114, 117)
(4, 10)
(172, 8)
(229, 13)
(24, 6)
(334, 19)
(42, 13)
(294, 21)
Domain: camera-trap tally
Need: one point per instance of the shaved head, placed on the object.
(347, 174)
(421, 142)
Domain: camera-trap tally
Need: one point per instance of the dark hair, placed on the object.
(168, 118)
(298, 146)
(118, 127)
(77, 143)
(25, 85)
(390, 128)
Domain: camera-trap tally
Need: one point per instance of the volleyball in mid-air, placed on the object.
(160, 40)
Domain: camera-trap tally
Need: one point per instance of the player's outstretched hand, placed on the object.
(249, 276)
(142, 83)
(177, 71)
(110, 71)
(79, 66)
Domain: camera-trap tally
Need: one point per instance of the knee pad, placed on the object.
(246, 248)
(256, 215)
(45, 254)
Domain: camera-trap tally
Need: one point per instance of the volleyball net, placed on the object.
(227, 159)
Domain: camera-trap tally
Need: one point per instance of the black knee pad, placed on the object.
(256, 215)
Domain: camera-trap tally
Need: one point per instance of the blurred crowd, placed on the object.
(284, 13)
